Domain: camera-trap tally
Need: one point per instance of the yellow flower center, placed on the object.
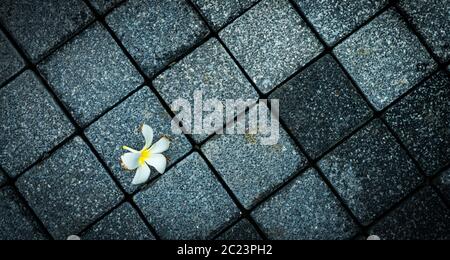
(145, 155)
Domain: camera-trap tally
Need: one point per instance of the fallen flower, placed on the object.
(150, 155)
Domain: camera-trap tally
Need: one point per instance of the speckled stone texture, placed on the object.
(39, 26)
(121, 127)
(321, 106)
(371, 172)
(90, 74)
(423, 217)
(219, 12)
(2, 178)
(103, 6)
(432, 20)
(187, 202)
(16, 222)
(305, 210)
(385, 59)
(251, 169)
(208, 69)
(32, 124)
(271, 42)
(334, 19)
(10, 60)
(69, 190)
(156, 32)
(122, 224)
(242, 231)
(423, 123)
(443, 184)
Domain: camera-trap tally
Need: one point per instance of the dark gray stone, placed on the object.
(32, 123)
(209, 69)
(39, 26)
(371, 172)
(121, 127)
(2, 178)
(187, 202)
(10, 60)
(443, 183)
(219, 12)
(335, 19)
(122, 224)
(423, 217)
(422, 121)
(432, 20)
(156, 32)
(305, 210)
(385, 59)
(102, 6)
(271, 42)
(69, 190)
(90, 74)
(321, 106)
(242, 231)
(16, 222)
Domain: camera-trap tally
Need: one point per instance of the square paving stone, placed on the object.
(39, 26)
(122, 224)
(69, 190)
(188, 202)
(10, 60)
(219, 13)
(371, 172)
(443, 183)
(271, 42)
(385, 59)
(156, 32)
(90, 74)
(242, 231)
(252, 169)
(32, 123)
(102, 6)
(121, 127)
(423, 123)
(321, 106)
(335, 19)
(432, 20)
(16, 221)
(305, 210)
(208, 69)
(423, 217)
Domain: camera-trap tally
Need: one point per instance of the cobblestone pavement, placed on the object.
(364, 90)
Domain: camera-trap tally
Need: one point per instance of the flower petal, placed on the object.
(159, 162)
(147, 132)
(142, 175)
(130, 149)
(130, 161)
(161, 146)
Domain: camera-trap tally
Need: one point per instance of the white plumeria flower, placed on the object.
(150, 155)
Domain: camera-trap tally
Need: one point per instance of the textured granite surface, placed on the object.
(443, 184)
(103, 6)
(242, 231)
(10, 60)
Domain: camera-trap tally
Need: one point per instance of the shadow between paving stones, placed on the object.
(10, 60)
(102, 6)
(242, 231)
(443, 183)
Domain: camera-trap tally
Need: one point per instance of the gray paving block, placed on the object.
(2, 178)
(208, 69)
(371, 172)
(156, 32)
(334, 19)
(39, 26)
(102, 6)
(242, 231)
(32, 123)
(271, 42)
(121, 127)
(10, 60)
(188, 202)
(305, 210)
(422, 122)
(251, 169)
(321, 106)
(432, 20)
(122, 224)
(69, 190)
(90, 74)
(423, 217)
(16, 222)
(385, 59)
(219, 13)
(443, 183)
